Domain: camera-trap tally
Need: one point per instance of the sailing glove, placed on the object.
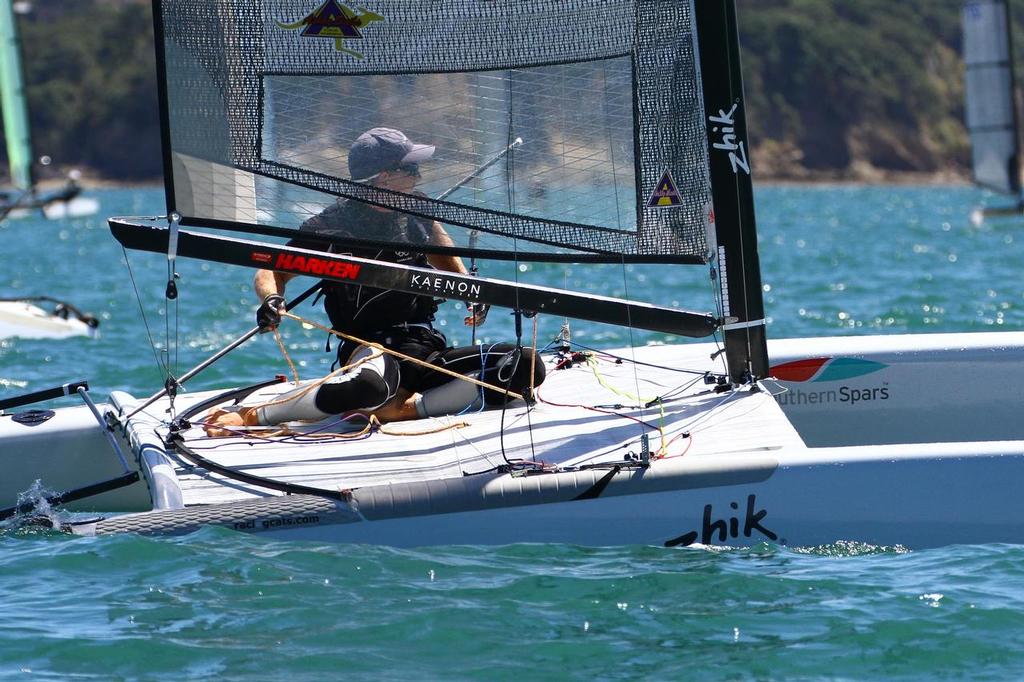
(268, 315)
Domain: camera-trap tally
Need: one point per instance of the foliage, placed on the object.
(91, 87)
(871, 81)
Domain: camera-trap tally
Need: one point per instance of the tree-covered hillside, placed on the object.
(835, 88)
(90, 78)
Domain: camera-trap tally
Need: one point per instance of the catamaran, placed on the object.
(583, 131)
(23, 317)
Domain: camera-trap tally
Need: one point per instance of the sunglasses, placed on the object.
(410, 169)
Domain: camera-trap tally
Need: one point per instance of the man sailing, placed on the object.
(391, 388)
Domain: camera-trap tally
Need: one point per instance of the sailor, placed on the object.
(391, 388)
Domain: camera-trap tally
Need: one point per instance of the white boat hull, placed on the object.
(79, 207)
(27, 321)
(883, 495)
(934, 459)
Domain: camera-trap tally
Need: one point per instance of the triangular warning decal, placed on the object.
(665, 194)
(331, 20)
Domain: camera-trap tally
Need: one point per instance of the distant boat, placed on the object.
(993, 118)
(24, 196)
(22, 318)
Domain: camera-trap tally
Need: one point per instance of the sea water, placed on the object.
(836, 260)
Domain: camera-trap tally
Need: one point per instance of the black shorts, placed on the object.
(422, 343)
(503, 365)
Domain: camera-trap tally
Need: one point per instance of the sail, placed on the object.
(12, 102)
(263, 100)
(991, 106)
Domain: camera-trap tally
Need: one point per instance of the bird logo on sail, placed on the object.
(665, 193)
(334, 20)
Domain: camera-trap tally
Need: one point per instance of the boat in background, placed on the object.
(20, 317)
(23, 318)
(991, 103)
(912, 440)
(24, 196)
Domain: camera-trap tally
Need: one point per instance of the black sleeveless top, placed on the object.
(361, 310)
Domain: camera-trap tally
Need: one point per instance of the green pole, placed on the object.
(12, 101)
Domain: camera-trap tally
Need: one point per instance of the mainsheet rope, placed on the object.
(401, 356)
(373, 424)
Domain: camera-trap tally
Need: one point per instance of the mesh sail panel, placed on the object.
(265, 98)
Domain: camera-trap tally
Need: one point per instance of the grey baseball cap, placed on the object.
(381, 149)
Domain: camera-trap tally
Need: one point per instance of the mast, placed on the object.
(12, 101)
(734, 259)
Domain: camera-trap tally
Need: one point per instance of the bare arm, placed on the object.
(439, 237)
(268, 282)
(477, 311)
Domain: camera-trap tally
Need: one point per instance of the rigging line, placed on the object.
(629, 327)
(711, 411)
(716, 296)
(142, 311)
(167, 332)
(601, 410)
(177, 328)
(639, 362)
(644, 403)
(510, 196)
(530, 390)
(284, 352)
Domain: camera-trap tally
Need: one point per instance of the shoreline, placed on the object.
(861, 176)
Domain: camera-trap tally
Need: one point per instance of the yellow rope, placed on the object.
(373, 421)
(592, 363)
(423, 432)
(312, 385)
(319, 382)
(284, 352)
(403, 356)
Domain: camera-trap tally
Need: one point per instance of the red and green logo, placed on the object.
(825, 369)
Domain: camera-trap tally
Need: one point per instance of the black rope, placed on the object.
(152, 344)
(198, 460)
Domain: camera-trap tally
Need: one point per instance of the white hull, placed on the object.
(79, 207)
(935, 458)
(25, 320)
